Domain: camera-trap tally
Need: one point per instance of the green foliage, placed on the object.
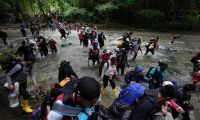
(152, 15)
(73, 11)
(107, 7)
(132, 12)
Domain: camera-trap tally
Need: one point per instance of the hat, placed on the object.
(189, 87)
(88, 88)
(138, 68)
(167, 83)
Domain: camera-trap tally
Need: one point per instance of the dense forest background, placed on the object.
(167, 14)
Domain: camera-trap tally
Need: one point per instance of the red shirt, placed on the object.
(81, 36)
(105, 57)
(52, 43)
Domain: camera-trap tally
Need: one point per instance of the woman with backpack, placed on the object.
(108, 72)
(19, 73)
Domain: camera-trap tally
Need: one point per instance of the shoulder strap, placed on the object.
(66, 110)
(156, 71)
(108, 65)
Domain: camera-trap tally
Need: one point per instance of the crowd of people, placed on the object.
(75, 98)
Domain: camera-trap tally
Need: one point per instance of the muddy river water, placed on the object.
(177, 55)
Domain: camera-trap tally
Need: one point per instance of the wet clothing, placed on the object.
(52, 43)
(104, 59)
(131, 76)
(194, 60)
(196, 77)
(85, 41)
(156, 78)
(63, 33)
(19, 73)
(36, 33)
(94, 55)
(125, 45)
(105, 82)
(121, 61)
(4, 37)
(81, 38)
(66, 71)
(150, 48)
(107, 71)
(23, 31)
(183, 101)
(40, 39)
(146, 106)
(25, 51)
(43, 47)
(136, 49)
(101, 39)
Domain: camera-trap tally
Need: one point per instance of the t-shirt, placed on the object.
(52, 43)
(81, 36)
(164, 73)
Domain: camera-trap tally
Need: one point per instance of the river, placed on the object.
(46, 69)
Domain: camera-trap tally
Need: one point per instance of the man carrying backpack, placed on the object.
(147, 106)
(24, 50)
(52, 44)
(122, 60)
(101, 39)
(136, 75)
(77, 101)
(66, 70)
(63, 33)
(105, 57)
(151, 46)
(19, 73)
(4, 37)
(182, 98)
(157, 75)
(94, 54)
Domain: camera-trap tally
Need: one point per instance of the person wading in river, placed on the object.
(4, 37)
(151, 46)
(19, 73)
(101, 39)
(194, 60)
(108, 73)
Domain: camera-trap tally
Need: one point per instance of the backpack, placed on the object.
(130, 93)
(40, 111)
(148, 73)
(149, 97)
(93, 52)
(8, 60)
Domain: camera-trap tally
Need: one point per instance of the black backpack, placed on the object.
(8, 61)
(149, 96)
(12, 63)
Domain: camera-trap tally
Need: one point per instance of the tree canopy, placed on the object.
(136, 12)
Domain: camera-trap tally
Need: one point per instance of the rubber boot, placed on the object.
(25, 106)
(115, 92)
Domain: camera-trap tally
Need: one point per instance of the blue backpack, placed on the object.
(130, 93)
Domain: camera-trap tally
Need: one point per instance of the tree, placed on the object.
(106, 9)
